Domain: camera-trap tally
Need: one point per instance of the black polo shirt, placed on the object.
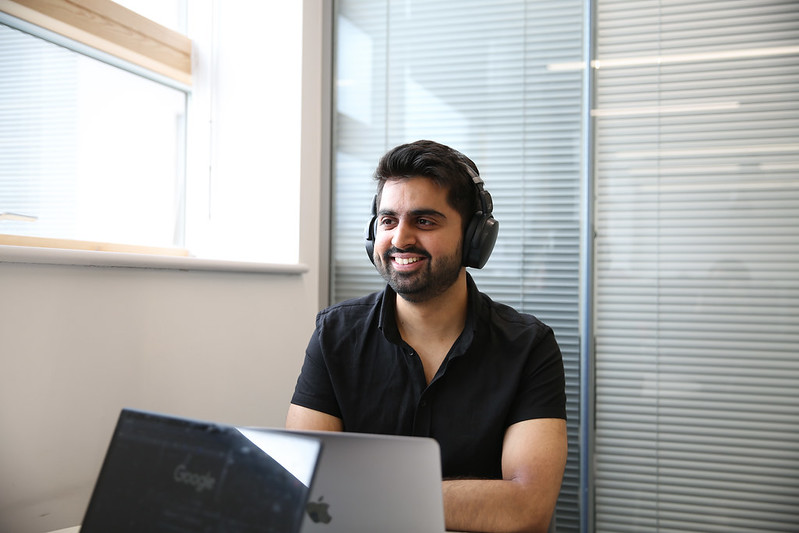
(504, 368)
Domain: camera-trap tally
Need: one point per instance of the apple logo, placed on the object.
(318, 511)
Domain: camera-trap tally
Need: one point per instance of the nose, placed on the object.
(404, 234)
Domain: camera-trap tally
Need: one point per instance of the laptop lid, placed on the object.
(169, 474)
(375, 484)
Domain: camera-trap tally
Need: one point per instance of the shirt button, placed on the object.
(423, 403)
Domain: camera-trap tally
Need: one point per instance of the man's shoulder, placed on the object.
(352, 308)
(508, 317)
(349, 321)
(499, 313)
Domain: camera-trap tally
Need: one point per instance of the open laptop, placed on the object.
(168, 474)
(375, 484)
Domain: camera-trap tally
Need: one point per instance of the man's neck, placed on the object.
(439, 317)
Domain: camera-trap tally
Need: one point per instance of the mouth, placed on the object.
(406, 260)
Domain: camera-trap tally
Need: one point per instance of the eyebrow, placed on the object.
(414, 212)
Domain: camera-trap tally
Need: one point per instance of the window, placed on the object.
(175, 145)
(678, 321)
(93, 145)
(480, 83)
(74, 134)
(697, 266)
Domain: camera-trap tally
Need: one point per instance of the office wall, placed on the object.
(77, 343)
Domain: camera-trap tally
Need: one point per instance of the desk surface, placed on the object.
(76, 529)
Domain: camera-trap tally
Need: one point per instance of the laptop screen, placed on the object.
(168, 474)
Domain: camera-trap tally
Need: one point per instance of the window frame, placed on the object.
(147, 49)
(111, 29)
(113, 34)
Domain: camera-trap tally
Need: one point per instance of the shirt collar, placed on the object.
(388, 315)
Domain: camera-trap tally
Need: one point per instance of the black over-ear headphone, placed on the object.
(481, 233)
(479, 238)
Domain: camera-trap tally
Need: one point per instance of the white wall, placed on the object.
(78, 343)
(244, 129)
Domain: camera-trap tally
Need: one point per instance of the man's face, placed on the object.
(418, 248)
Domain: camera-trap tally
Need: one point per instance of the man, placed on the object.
(443, 360)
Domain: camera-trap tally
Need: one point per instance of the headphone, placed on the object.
(481, 232)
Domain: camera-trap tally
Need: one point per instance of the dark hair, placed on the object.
(445, 166)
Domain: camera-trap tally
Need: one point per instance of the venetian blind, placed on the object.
(697, 266)
(72, 133)
(473, 75)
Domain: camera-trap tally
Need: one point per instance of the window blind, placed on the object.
(72, 133)
(473, 75)
(697, 266)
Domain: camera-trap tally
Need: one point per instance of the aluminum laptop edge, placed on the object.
(367, 483)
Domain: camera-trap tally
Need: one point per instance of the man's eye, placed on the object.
(424, 222)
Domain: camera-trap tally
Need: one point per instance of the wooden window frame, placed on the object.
(113, 29)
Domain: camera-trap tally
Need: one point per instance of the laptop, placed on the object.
(169, 474)
(368, 483)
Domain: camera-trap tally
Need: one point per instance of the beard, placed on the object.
(424, 284)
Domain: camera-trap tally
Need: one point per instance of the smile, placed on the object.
(405, 261)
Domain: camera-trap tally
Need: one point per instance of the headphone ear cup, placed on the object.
(370, 231)
(481, 234)
(479, 240)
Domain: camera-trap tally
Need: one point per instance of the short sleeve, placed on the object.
(314, 389)
(541, 390)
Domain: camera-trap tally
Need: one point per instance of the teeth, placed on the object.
(406, 261)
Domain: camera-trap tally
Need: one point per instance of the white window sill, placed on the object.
(57, 256)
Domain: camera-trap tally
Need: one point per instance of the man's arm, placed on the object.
(303, 418)
(533, 462)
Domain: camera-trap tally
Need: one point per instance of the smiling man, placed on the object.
(417, 254)
(432, 356)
